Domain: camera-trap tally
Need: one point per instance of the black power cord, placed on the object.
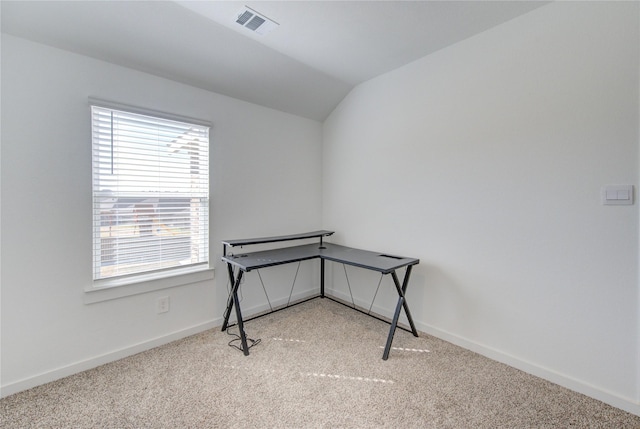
(250, 341)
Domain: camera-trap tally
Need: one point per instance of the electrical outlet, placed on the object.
(162, 304)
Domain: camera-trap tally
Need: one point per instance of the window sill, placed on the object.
(120, 288)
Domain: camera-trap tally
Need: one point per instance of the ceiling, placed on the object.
(315, 55)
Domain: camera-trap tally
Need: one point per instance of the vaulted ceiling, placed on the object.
(315, 54)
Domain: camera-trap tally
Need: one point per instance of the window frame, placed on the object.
(115, 287)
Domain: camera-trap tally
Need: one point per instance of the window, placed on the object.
(150, 194)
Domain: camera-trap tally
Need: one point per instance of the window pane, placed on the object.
(150, 193)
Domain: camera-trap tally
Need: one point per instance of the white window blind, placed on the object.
(150, 193)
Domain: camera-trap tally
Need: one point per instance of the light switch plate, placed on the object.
(617, 195)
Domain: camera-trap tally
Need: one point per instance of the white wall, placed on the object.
(486, 161)
(266, 179)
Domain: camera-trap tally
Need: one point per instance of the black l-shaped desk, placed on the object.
(245, 262)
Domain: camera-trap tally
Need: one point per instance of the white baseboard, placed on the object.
(627, 404)
(74, 368)
(77, 367)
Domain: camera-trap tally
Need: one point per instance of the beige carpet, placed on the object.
(318, 365)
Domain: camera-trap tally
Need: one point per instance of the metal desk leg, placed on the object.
(236, 302)
(402, 291)
(322, 277)
(227, 312)
(392, 330)
(402, 302)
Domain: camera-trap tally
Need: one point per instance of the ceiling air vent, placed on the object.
(254, 21)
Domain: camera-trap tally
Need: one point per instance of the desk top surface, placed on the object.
(377, 261)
